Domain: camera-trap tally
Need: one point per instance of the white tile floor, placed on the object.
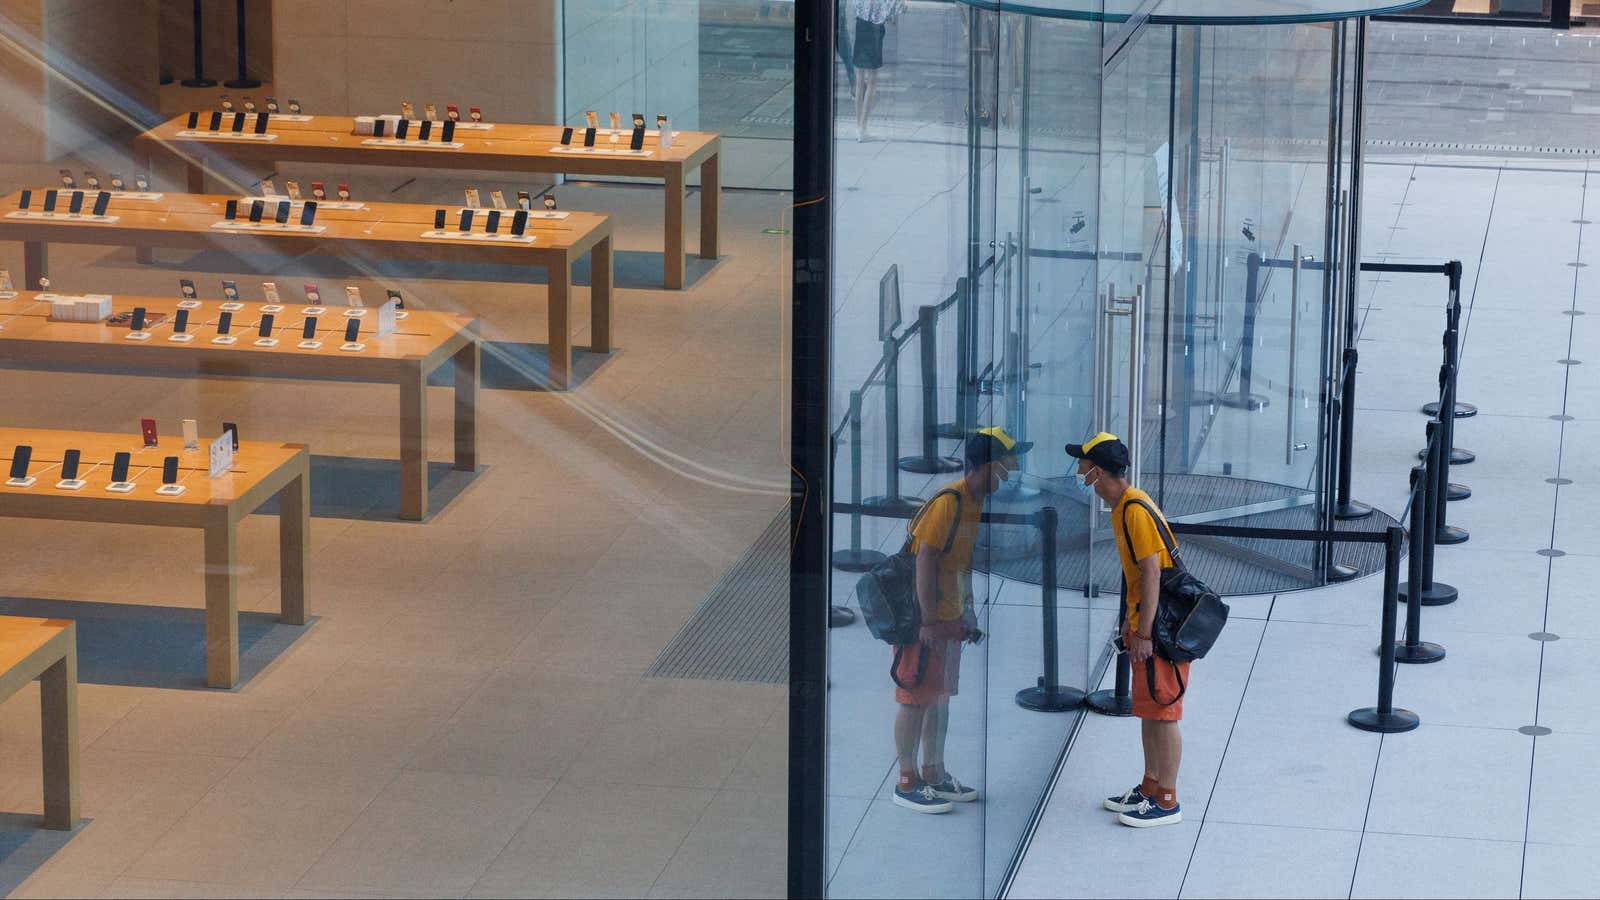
(1281, 797)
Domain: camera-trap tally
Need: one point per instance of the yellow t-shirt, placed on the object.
(1146, 540)
(934, 529)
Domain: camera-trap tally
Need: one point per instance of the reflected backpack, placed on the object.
(1190, 616)
(887, 593)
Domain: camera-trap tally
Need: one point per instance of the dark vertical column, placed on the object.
(199, 80)
(244, 80)
(809, 579)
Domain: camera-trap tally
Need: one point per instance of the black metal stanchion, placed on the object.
(199, 80)
(891, 499)
(1117, 701)
(1453, 347)
(1414, 649)
(1433, 593)
(855, 559)
(929, 462)
(1243, 398)
(957, 429)
(244, 80)
(1049, 695)
(1384, 718)
(1345, 508)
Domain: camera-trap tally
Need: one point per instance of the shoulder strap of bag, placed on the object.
(922, 666)
(1150, 676)
(950, 539)
(1161, 529)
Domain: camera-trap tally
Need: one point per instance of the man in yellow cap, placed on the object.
(926, 674)
(1158, 684)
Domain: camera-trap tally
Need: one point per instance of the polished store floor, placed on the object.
(468, 714)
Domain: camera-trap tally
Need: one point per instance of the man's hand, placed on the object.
(929, 634)
(1140, 647)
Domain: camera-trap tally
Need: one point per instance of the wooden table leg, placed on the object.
(142, 160)
(414, 444)
(35, 256)
(294, 539)
(466, 360)
(560, 331)
(196, 179)
(673, 277)
(58, 721)
(600, 296)
(222, 602)
(710, 205)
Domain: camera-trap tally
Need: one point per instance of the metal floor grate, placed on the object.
(741, 630)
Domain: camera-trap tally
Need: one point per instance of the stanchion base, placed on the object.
(840, 616)
(1440, 594)
(950, 430)
(1107, 703)
(238, 83)
(1450, 534)
(927, 465)
(1392, 722)
(1351, 509)
(1342, 572)
(1202, 398)
(1423, 652)
(856, 560)
(1458, 456)
(1457, 492)
(1463, 410)
(1240, 400)
(199, 82)
(893, 504)
(1062, 699)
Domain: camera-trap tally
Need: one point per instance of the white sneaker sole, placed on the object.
(1131, 822)
(922, 808)
(1116, 807)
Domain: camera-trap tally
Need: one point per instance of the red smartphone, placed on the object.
(148, 427)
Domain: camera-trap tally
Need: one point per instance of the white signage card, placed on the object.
(221, 455)
(386, 319)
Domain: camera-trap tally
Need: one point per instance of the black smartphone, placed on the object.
(588, 137)
(194, 121)
(401, 128)
(638, 140)
(352, 331)
(438, 220)
(230, 210)
(308, 213)
(493, 225)
(119, 466)
(447, 133)
(75, 206)
(180, 324)
(233, 429)
(424, 130)
(238, 123)
(169, 470)
(216, 121)
(138, 319)
(379, 126)
(50, 200)
(519, 222)
(256, 209)
(566, 137)
(282, 216)
(466, 220)
(265, 329)
(224, 323)
(102, 202)
(24, 201)
(308, 331)
(19, 461)
(261, 123)
(69, 465)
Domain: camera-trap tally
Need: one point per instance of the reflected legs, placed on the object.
(866, 94)
(923, 727)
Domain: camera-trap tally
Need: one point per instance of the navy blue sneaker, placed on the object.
(1128, 801)
(1149, 814)
(954, 790)
(920, 797)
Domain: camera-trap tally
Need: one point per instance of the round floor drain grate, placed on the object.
(1545, 636)
(1558, 480)
(1552, 552)
(1534, 730)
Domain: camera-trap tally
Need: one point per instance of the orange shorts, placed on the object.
(941, 677)
(1159, 686)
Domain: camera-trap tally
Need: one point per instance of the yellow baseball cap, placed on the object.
(1104, 449)
(986, 445)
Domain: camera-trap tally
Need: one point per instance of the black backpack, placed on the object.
(1190, 616)
(887, 593)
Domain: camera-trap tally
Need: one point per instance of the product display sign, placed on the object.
(292, 188)
(221, 456)
(475, 114)
(387, 320)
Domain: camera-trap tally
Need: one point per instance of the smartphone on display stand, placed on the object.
(102, 202)
(26, 200)
(180, 323)
(20, 457)
(261, 123)
(238, 123)
(519, 222)
(424, 130)
(282, 217)
(50, 200)
(75, 205)
(402, 128)
(256, 209)
(225, 323)
(265, 328)
(566, 137)
(308, 330)
(119, 467)
(70, 461)
(193, 121)
(216, 121)
(308, 213)
(438, 219)
(447, 133)
(493, 224)
(466, 221)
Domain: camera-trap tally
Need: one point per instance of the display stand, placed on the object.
(285, 228)
(227, 136)
(413, 145)
(479, 236)
(601, 151)
(61, 217)
(322, 205)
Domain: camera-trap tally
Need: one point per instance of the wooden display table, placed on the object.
(388, 230)
(260, 471)
(501, 148)
(424, 341)
(47, 649)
